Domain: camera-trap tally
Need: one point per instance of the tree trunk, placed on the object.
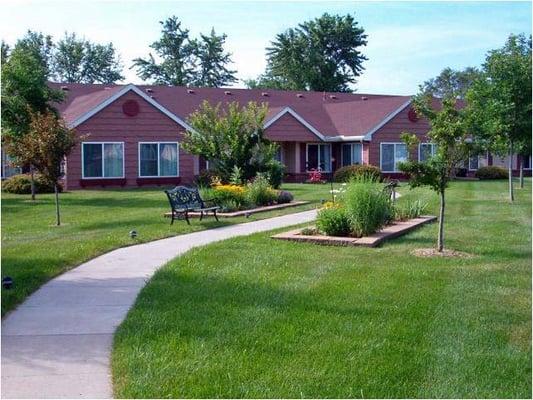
(32, 182)
(58, 219)
(521, 172)
(511, 192)
(440, 242)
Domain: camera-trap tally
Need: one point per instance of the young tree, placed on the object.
(80, 61)
(176, 52)
(450, 83)
(230, 138)
(448, 132)
(45, 145)
(212, 61)
(322, 54)
(499, 102)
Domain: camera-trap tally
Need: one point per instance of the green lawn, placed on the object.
(34, 250)
(253, 317)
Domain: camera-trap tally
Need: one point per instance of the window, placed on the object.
(527, 162)
(158, 159)
(8, 166)
(391, 155)
(279, 154)
(102, 160)
(319, 157)
(426, 151)
(473, 162)
(352, 154)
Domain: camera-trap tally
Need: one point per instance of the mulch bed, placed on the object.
(247, 212)
(391, 231)
(431, 252)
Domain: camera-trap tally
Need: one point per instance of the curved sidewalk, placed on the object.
(57, 344)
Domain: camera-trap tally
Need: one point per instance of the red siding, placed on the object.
(391, 132)
(289, 129)
(111, 124)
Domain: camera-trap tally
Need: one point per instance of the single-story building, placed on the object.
(130, 134)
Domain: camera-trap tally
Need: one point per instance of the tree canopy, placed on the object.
(186, 61)
(323, 54)
(450, 82)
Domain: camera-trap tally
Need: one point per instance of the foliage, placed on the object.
(333, 221)
(259, 191)
(21, 184)
(492, 172)
(236, 176)
(206, 177)
(322, 54)
(199, 62)
(223, 193)
(315, 176)
(284, 196)
(230, 137)
(81, 61)
(344, 174)
(450, 83)
(367, 206)
(413, 209)
(275, 172)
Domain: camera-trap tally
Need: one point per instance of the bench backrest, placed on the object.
(182, 197)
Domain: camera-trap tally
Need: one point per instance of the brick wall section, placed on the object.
(111, 124)
(391, 132)
(289, 129)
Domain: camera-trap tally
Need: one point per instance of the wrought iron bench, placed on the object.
(184, 200)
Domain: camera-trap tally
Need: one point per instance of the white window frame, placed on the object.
(433, 149)
(351, 153)
(394, 152)
(158, 160)
(318, 156)
(103, 161)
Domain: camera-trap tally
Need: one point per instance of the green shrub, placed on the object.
(492, 172)
(345, 174)
(333, 221)
(229, 194)
(413, 209)
(368, 207)
(21, 184)
(236, 176)
(205, 178)
(259, 191)
(229, 205)
(284, 197)
(275, 172)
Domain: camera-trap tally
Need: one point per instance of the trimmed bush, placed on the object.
(259, 191)
(21, 184)
(492, 172)
(368, 207)
(284, 197)
(345, 174)
(275, 172)
(333, 221)
(222, 194)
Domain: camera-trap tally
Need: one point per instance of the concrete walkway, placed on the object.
(57, 344)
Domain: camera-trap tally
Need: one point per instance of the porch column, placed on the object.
(297, 164)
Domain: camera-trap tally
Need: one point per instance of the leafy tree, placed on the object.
(499, 102)
(45, 145)
(269, 81)
(231, 138)
(448, 132)
(212, 61)
(451, 83)
(80, 61)
(40, 46)
(322, 54)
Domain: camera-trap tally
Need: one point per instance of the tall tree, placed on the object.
(499, 102)
(322, 54)
(212, 61)
(78, 60)
(45, 145)
(40, 46)
(176, 52)
(451, 82)
(448, 132)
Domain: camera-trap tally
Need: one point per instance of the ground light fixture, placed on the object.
(7, 282)
(133, 234)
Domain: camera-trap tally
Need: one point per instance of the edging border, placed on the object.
(389, 232)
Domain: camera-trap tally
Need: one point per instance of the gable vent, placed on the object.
(227, 93)
(190, 91)
(65, 88)
(299, 95)
(264, 94)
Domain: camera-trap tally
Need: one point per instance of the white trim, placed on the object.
(103, 167)
(298, 118)
(130, 87)
(394, 155)
(158, 160)
(351, 153)
(318, 155)
(433, 146)
(368, 135)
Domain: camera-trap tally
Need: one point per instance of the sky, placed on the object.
(408, 42)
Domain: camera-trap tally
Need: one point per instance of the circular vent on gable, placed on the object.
(412, 115)
(130, 108)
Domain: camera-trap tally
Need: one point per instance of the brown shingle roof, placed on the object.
(348, 114)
